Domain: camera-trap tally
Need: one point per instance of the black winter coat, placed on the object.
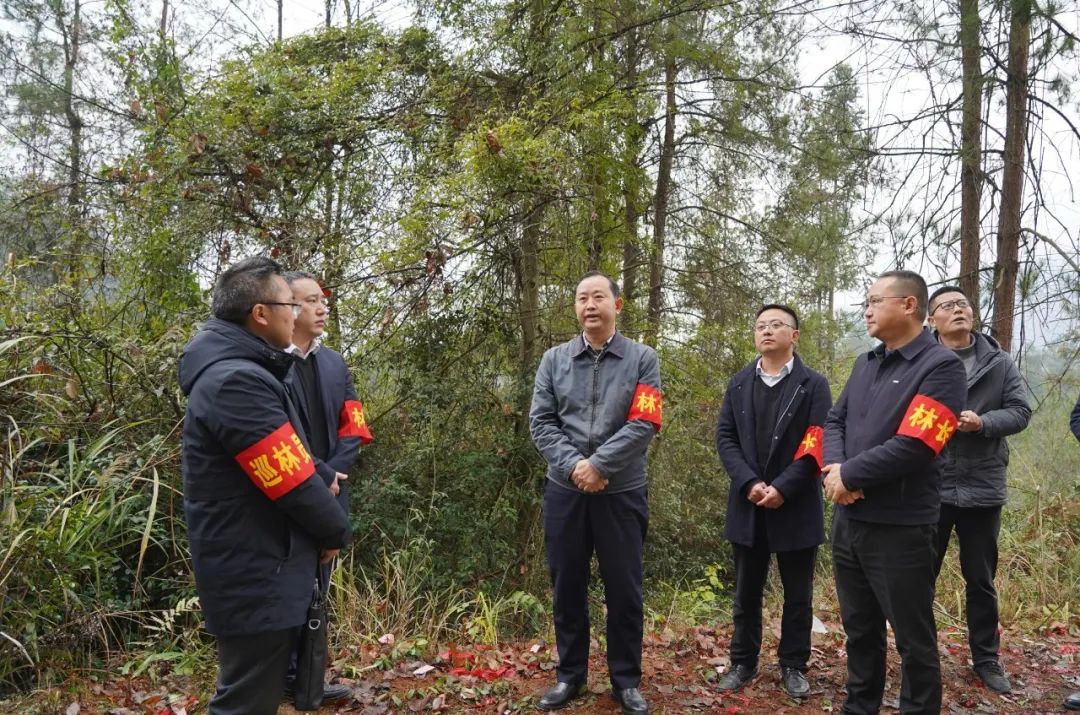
(256, 503)
(973, 464)
(805, 401)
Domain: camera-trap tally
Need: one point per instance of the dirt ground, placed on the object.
(678, 668)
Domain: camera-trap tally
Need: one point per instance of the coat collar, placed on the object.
(616, 345)
(909, 350)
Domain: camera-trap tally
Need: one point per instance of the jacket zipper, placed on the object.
(779, 419)
(592, 410)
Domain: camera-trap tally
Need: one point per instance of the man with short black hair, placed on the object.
(769, 436)
(332, 415)
(894, 416)
(973, 467)
(258, 512)
(596, 406)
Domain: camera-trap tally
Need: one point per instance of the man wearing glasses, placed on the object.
(973, 467)
(259, 515)
(769, 437)
(882, 438)
(332, 415)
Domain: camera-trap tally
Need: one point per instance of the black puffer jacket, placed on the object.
(256, 503)
(973, 464)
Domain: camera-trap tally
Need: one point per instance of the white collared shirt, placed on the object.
(771, 380)
(296, 350)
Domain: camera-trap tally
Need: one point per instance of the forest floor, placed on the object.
(679, 671)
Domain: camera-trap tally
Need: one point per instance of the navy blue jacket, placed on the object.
(1074, 419)
(256, 503)
(336, 388)
(805, 401)
(899, 475)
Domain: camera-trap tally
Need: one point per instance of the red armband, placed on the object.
(928, 421)
(647, 405)
(353, 423)
(812, 446)
(278, 462)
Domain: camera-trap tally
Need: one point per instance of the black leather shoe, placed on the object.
(794, 682)
(332, 692)
(1072, 701)
(736, 678)
(991, 674)
(560, 696)
(631, 701)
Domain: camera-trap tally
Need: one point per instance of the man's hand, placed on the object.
(586, 477)
(335, 487)
(327, 555)
(773, 499)
(835, 490)
(969, 422)
(756, 493)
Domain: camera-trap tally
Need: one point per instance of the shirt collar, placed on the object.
(613, 345)
(294, 350)
(785, 370)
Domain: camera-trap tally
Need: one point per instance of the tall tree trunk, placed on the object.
(970, 152)
(1012, 182)
(280, 13)
(70, 34)
(71, 37)
(521, 468)
(634, 137)
(164, 18)
(660, 204)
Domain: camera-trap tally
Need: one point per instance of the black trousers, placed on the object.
(797, 576)
(251, 672)
(977, 531)
(614, 525)
(886, 572)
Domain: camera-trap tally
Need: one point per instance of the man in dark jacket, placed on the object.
(1074, 419)
(259, 515)
(333, 417)
(596, 406)
(882, 438)
(1072, 701)
(769, 436)
(973, 467)
(332, 414)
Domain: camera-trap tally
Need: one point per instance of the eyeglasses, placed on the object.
(316, 300)
(951, 304)
(877, 300)
(295, 307)
(773, 325)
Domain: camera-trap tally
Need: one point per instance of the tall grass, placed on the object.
(85, 548)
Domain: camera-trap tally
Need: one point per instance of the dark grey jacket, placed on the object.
(580, 408)
(973, 464)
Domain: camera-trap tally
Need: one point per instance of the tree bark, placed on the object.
(970, 152)
(660, 205)
(634, 137)
(1012, 182)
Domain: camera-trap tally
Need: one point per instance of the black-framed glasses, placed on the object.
(951, 304)
(877, 300)
(296, 307)
(772, 325)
